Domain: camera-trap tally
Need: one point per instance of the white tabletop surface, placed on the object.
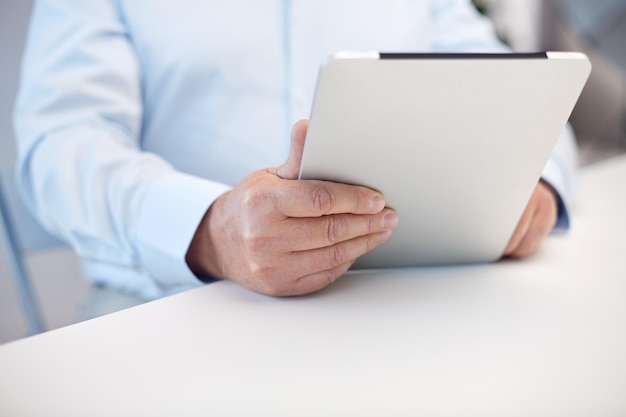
(542, 337)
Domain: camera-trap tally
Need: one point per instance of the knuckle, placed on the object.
(263, 275)
(259, 270)
(256, 269)
(254, 198)
(255, 244)
(323, 199)
(256, 257)
(336, 228)
(336, 255)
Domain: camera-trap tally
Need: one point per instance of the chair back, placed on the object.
(21, 233)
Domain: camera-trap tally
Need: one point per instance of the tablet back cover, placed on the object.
(456, 143)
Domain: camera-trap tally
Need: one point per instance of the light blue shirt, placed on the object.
(135, 115)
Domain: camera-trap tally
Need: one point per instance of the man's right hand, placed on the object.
(281, 236)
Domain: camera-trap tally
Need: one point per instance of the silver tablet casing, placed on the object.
(455, 142)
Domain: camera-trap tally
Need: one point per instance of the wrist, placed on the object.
(202, 256)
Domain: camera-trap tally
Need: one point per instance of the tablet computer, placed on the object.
(455, 142)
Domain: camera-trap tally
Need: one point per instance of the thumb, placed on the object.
(291, 168)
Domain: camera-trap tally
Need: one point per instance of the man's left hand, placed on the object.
(536, 222)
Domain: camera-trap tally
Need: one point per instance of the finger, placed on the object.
(543, 221)
(299, 234)
(537, 232)
(319, 280)
(322, 259)
(290, 170)
(521, 229)
(311, 198)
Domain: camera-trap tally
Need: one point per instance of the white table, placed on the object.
(543, 337)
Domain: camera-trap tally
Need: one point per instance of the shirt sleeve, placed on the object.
(80, 165)
(458, 27)
(562, 174)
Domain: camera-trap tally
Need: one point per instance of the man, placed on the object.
(139, 123)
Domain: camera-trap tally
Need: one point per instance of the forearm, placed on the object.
(115, 204)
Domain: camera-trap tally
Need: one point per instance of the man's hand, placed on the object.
(538, 219)
(281, 236)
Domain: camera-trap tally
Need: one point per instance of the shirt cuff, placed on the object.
(168, 219)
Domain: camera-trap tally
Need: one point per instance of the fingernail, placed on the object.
(377, 204)
(390, 221)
